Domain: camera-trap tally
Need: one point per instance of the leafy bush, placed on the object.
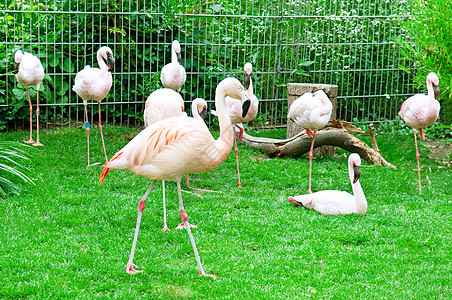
(428, 44)
(11, 153)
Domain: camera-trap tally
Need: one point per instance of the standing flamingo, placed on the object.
(171, 148)
(312, 112)
(163, 104)
(234, 108)
(420, 111)
(338, 202)
(173, 74)
(30, 72)
(94, 84)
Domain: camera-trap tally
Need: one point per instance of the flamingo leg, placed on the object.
(101, 135)
(87, 127)
(130, 265)
(237, 159)
(184, 217)
(196, 189)
(30, 141)
(310, 161)
(165, 228)
(418, 167)
(37, 119)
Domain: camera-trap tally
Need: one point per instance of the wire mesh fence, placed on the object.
(349, 43)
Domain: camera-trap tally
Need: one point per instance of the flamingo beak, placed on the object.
(247, 81)
(292, 200)
(435, 90)
(245, 107)
(356, 172)
(203, 113)
(179, 58)
(111, 61)
(16, 67)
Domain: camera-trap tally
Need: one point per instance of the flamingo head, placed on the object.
(17, 59)
(248, 68)
(107, 55)
(233, 88)
(433, 79)
(201, 106)
(354, 161)
(176, 48)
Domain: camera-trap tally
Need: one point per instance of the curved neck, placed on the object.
(174, 56)
(224, 142)
(194, 111)
(250, 88)
(358, 193)
(102, 65)
(431, 93)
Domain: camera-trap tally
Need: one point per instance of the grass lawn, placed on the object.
(68, 237)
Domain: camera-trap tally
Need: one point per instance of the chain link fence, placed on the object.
(349, 43)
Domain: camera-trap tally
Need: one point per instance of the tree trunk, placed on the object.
(335, 133)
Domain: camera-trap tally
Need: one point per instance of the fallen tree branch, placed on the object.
(336, 133)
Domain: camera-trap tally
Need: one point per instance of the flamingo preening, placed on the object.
(94, 84)
(173, 74)
(420, 111)
(30, 72)
(235, 109)
(332, 202)
(312, 111)
(173, 147)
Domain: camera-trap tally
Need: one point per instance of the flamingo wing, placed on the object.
(328, 202)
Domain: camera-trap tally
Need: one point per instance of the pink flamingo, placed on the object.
(312, 112)
(30, 72)
(235, 109)
(173, 74)
(94, 84)
(173, 147)
(420, 111)
(338, 202)
(163, 104)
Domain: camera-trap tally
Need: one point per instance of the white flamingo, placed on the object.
(94, 84)
(173, 147)
(173, 74)
(235, 110)
(30, 72)
(420, 111)
(312, 112)
(332, 202)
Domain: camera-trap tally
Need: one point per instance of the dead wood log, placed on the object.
(336, 133)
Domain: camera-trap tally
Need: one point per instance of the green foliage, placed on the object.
(428, 44)
(343, 46)
(12, 170)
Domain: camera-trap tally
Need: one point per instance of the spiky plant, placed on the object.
(12, 171)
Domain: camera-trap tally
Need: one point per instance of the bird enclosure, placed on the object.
(352, 44)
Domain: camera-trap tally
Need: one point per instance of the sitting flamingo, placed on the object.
(338, 202)
(420, 111)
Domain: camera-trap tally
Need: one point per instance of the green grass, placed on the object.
(68, 237)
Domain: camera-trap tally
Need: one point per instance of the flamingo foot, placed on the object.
(94, 164)
(131, 270)
(239, 185)
(182, 226)
(37, 144)
(165, 228)
(213, 276)
(309, 191)
(30, 141)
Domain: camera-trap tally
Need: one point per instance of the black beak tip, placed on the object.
(245, 107)
(357, 173)
(436, 91)
(203, 114)
(247, 81)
